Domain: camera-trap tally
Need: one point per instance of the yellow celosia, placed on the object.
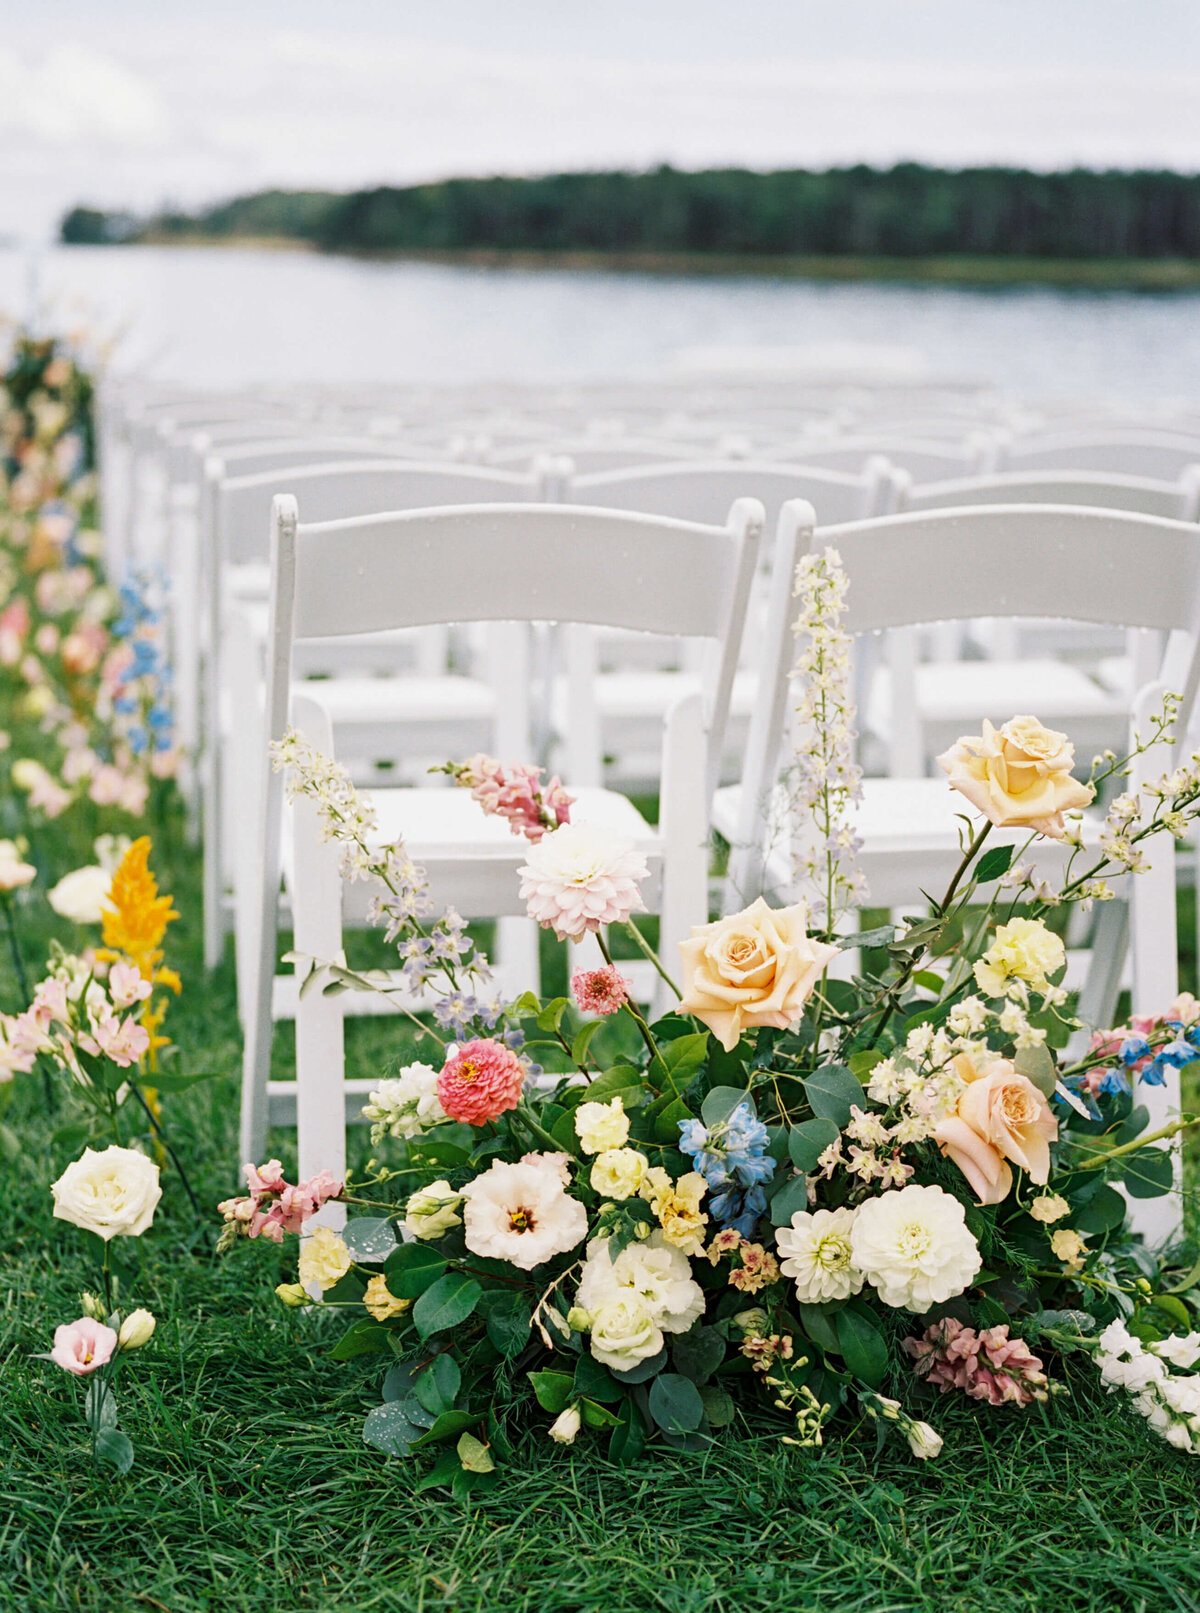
(135, 923)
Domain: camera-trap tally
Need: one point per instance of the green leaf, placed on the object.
(1149, 1173)
(720, 1103)
(1104, 1212)
(437, 1387)
(596, 1416)
(994, 862)
(99, 1405)
(449, 1302)
(528, 1003)
(718, 1405)
(628, 1437)
(864, 1348)
(474, 1455)
(1132, 1127)
(595, 1381)
(114, 1448)
(831, 1090)
(643, 1370)
(550, 1017)
(791, 1196)
(698, 1353)
(675, 1403)
(583, 1038)
(809, 1140)
(622, 1081)
(446, 1426)
(369, 1238)
(412, 1268)
(364, 1337)
(1174, 1308)
(398, 1380)
(861, 1064)
(883, 935)
(445, 1468)
(554, 1390)
(819, 1328)
(10, 1143)
(675, 1064)
(389, 1430)
(507, 1320)
(1037, 1063)
(174, 1082)
(666, 1124)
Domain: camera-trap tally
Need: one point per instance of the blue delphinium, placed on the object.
(732, 1158)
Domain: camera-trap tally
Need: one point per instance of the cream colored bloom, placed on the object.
(136, 1330)
(655, 1270)
(623, 1332)
(1025, 950)
(923, 1441)
(757, 967)
(324, 1260)
(677, 1207)
(380, 1302)
(521, 1213)
(818, 1257)
(618, 1173)
(566, 1426)
(1018, 775)
(1048, 1208)
(1069, 1247)
(14, 871)
(914, 1247)
(293, 1295)
(1001, 1117)
(113, 1193)
(433, 1210)
(82, 896)
(600, 1126)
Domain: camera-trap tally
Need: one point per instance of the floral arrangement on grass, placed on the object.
(794, 1195)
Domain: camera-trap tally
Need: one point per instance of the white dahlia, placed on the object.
(520, 1213)
(581, 877)
(658, 1273)
(914, 1247)
(818, 1257)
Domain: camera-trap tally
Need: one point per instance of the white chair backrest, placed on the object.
(601, 453)
(1175, 500)
(1163, 454)
(924, 461)
(700, 490)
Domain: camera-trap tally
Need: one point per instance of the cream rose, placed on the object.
(1018, 775)
(757, 967)
(1001, 1118)
(324, 1260)
(624, 1332)
(1025, 950)
(618, 1173)
(112, 1194)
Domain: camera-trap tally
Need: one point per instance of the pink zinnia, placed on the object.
(480, 1080)
(82, 1347)
(986, 1365)
(600, 991)
(581, 878)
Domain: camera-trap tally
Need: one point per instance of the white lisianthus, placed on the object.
(136, 1330)
(914, 1247)
(818, 1257)
(324, 1260)
(405, 1105)
(923, 1441)
(81, 896)
(522, 1214)
(600, 1126)
(1024, 950)
(113, 1193)
(566, 1426)
(656, 1271)
(433, 1210)
(618, 1173)
(623, 1332)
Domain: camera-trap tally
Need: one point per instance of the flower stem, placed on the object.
(629, 1006)
(165, 1140)
(653, 956)
(539, 1132)
(1173, 1130)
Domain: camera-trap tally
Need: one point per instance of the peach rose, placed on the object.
(1001, 1117)
(757, 967)
(1018, 775)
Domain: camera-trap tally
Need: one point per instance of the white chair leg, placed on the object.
(684, 823)
(516, 955)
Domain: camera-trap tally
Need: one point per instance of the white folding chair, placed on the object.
(924, 461)
(1156, 453)
(497, 563)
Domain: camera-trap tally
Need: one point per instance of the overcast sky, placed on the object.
(131, 103)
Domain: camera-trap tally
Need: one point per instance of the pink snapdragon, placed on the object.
(600, 991)
(83, 1347)
(985, 1365)
(514, 793)
(274, 1205)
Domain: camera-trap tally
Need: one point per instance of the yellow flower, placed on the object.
(1024, 949)
(618, 1173)
(600, 1126)
(324, 1259)
(1070, 1248)
(137, 917)
(293, 1295)
(678, 1208)
(381, 1303)
(1049, 1207)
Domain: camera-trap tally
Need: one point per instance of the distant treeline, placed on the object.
(901, 212)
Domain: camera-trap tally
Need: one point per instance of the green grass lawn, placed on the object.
(252, 1489)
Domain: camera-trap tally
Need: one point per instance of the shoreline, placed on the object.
(1134, 274)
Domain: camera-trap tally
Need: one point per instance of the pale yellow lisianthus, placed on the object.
(1069, 1247)
(618, 1173)
(1048, 1208)
(600, 1126)
(1018, 775)
(381, 1303)
(324, 1259)
(757, 967)
(1024, 950)
(677, 1207)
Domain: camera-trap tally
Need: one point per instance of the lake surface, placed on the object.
(231, 316)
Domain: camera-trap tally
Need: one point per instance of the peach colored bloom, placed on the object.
(1018, 775)
(757, 967)
(480, 1080)
(581, 877)
(82, 1347)
(1001, 1118)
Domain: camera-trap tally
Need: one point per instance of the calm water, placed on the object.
(216, 317)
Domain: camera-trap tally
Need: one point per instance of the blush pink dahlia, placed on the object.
(580, 878)
(82, 1347)
(600, 991)
(480, 1080)
(987, 1365)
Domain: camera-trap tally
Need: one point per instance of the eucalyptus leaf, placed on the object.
(437, 1387)
(831, 1091)
(675, 1403)
(389, 1430)
(113, 1447)
(369, 1238)
(809, 1140)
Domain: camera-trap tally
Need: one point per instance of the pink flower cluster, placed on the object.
(58, 1025)
(516, 794)
(600, 991)
(479, 1081)
(275, 1206)
(986, 1365)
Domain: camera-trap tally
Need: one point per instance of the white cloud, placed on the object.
(73, 96)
